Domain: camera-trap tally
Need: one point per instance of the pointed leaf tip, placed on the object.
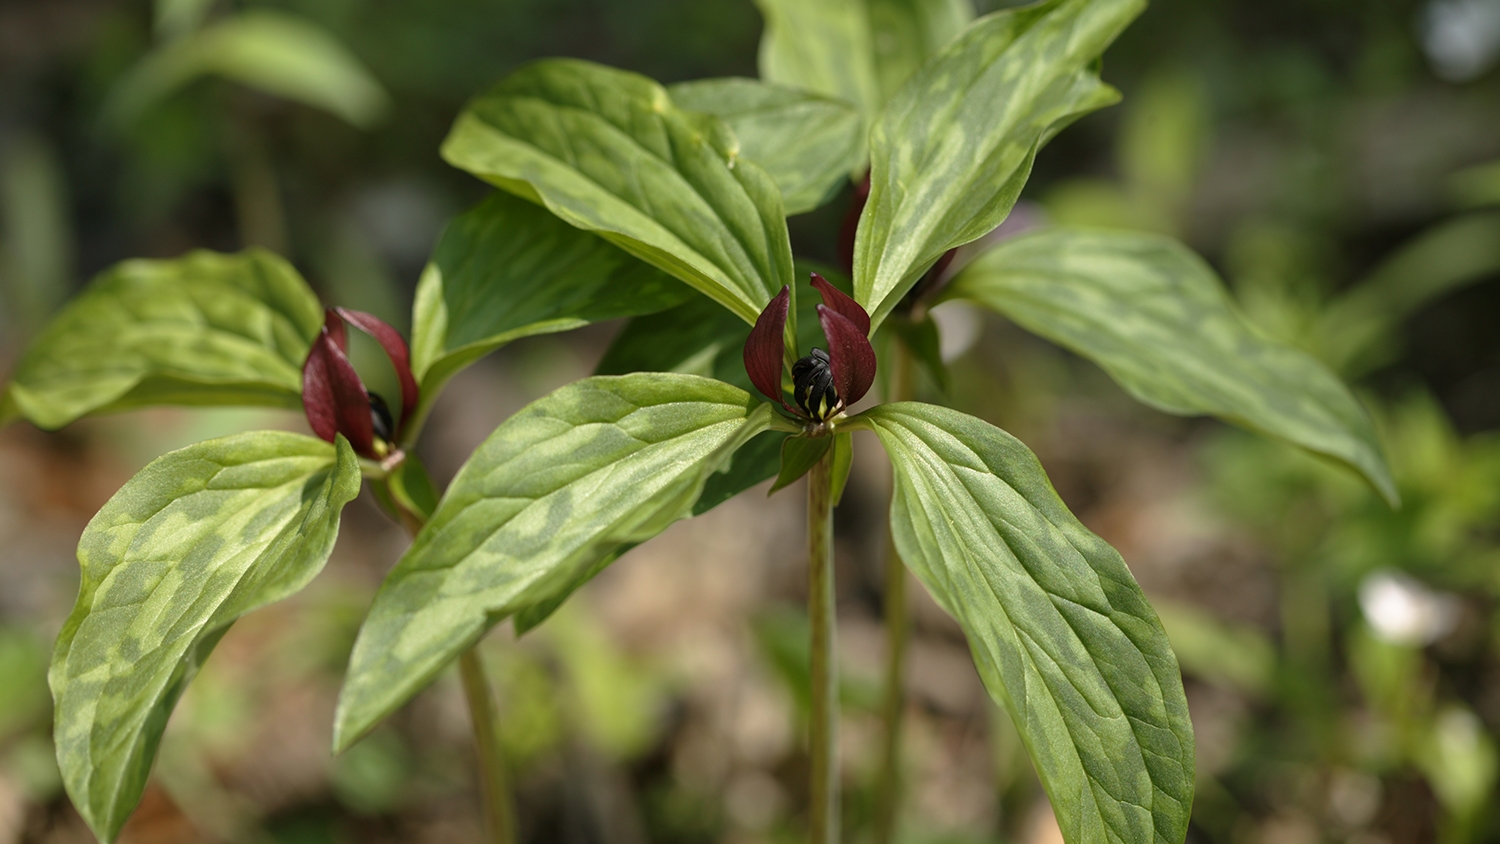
(841, 303)
(766, 346)
(851, 357)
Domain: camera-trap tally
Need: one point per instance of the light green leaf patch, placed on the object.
(279, 54)
(904, 33)
(809, 144)
(1158, 320)
(507, 269)
(203, 329)
(859, 51)
(822, 46)
(1060, 632)
(950, 154)
(608, 152)
(555, 491)
(200, 537)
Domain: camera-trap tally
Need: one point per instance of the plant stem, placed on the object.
(823, 814)
(893, 694)
(498, 812)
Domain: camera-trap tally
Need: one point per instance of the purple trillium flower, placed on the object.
(824, 383)
(335, 398)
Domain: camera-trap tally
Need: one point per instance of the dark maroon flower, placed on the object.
(335, 398)
(823, 383)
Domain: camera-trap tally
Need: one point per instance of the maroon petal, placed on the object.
(395, 348)
(851, 358)
(335, 325)
(842, 304)
(334, 398)
(766, 345)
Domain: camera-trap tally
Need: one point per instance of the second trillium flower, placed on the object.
(824, 384)
(335, 398)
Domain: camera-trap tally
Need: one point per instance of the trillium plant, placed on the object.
(619, 197)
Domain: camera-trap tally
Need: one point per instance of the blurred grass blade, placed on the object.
(1060, 632)
(809, 144)
(203, 329)
(1239, 657)
(275, 53)
(556, 489)
(200, 537)
(38, 245)
(905, 32)
(822, 46)
(1158, 320)
(1476, 187)
(950, 154)
(176, 18)
(606, 151)
(1355, 332)
(505, 270)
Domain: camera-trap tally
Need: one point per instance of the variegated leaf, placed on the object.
(608, 152)
(950, 154)
(203, 329)
(808, 143)
(823, 46)
(905, 32)
(200, 537)
(556, 491)
(506, 269)
(1156, 317)
(1060, 632)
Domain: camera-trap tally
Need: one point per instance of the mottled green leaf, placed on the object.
(200, 537)
(904, 33)
(203, 329)
(1157, 319)
(1059, 630)
(557, 488)
(507, 269)
(823, 46)
(608, 152)
(276, 53)
(798, 456)
(809, 144)
(953, 148)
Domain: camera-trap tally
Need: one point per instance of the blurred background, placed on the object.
(1337, 160)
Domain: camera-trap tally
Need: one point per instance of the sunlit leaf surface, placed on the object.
(203, 329)
(1062, 636)
(200, 537)
(1156, 317)
(555, 491)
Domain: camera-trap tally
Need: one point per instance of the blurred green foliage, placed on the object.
(1338, 161)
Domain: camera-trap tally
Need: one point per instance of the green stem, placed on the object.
(499, 813)
(893, 695)
(823, 733)
(499, 810)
